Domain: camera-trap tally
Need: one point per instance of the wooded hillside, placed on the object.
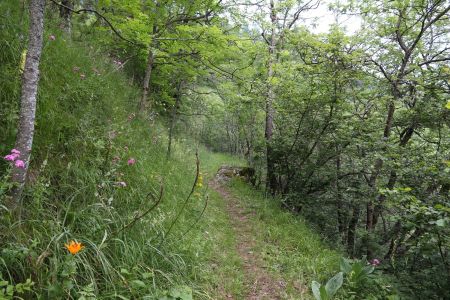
(116, 115)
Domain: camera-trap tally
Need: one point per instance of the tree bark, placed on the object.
(30, 80)
(271, 183)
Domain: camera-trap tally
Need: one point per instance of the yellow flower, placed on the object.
(23, 58)
(199, 181)
(74, 247)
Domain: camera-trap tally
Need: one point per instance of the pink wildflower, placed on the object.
(131, 161)
(19, 164)
(375, 262)
(52, 37)
(10, 157)
(13, 155)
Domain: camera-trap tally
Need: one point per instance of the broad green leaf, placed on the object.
(440, 222)
(368, 270)
(315, 286)
(138, 284)
(334, 284)
(345, 266)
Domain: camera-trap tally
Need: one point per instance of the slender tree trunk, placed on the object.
(341, 218)
(271, 183)
(378, 165)
(24, 139)
(66, 15)
(351, 233)
(148, 73)
(370, 211)
(404, 139)
(146, 85)
(394, 240)
(173, 118)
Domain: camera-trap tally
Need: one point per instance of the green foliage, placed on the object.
(357, 273)
(9, 291)
(358, 281)
(329, 290)
(179, 293)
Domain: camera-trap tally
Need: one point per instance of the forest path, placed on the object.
(258, 283)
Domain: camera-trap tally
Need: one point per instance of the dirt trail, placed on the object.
(259, 284)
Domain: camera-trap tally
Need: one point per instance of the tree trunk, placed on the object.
(341, 218)
(370, 215)
(66, 15)
(271, 183)
(146, 86)
(24, 139)
(148, 71)
(404, 139)
(379, 164)
(173, 118)
(351, 233)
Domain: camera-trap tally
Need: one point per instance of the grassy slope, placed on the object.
(83, 102)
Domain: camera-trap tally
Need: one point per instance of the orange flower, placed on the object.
(74, 247)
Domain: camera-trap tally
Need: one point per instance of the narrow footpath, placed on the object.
(259, 284)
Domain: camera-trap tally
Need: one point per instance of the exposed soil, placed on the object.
(259, 284)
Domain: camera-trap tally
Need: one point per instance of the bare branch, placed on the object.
(79, 11)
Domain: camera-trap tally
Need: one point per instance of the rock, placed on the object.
(225, 173)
